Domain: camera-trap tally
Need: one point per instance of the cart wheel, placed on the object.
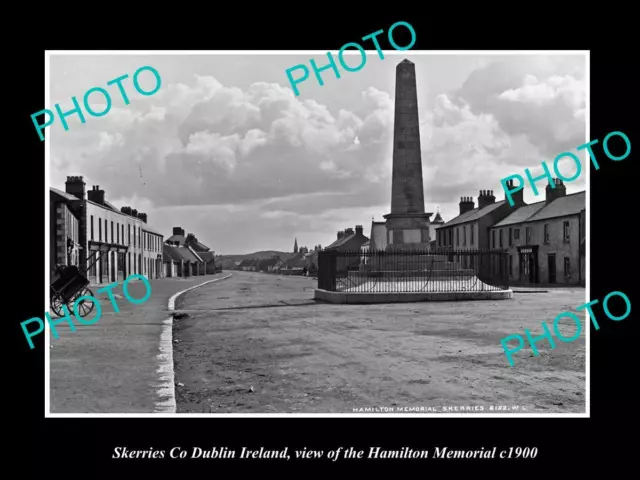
(56, 305)
(85, 307)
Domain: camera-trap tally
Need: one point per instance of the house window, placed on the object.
(516, 234)
(129, 234)
(528, 234)
(510, 265)
(99, 230)
(123, 233)
(472, 229)
(457, 236)
(510, 236)
(112, 231)
(118, 234)
(566, 231)
(546, 233)
(567, 267)
(106, 230)
(451, 238)
(493, 238)
(91, 227)
(500, 236)
(464, 235)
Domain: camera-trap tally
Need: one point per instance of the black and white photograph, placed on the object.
(222, 240)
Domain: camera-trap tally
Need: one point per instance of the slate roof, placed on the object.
(169, 253)
(438, 219)
(570, 204)
(65, 195)
(176, 238)
(178, 254)
(341, 241)
(521, 214)
(475, 214)
(199, 247)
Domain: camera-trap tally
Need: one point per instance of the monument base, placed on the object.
(408, 231)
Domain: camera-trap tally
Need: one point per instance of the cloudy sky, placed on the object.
(225, 150)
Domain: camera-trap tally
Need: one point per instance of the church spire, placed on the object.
(438, 218)
(295, 246)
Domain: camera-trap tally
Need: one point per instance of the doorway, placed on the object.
(528, 264)
(551, 261)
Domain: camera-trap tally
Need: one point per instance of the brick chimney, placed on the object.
(359, 230)
(75, 186)
(518, 197)
(126, 210)
(178, 231)
(340, 234)
(134, 213)
(96, 195)
(466, 204)
(348, 231)
(557, 190)
(486, 198)
(143, 217)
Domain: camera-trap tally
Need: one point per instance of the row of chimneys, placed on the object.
(134, 213)
(75, 185)
(349, 231)
(486, 197)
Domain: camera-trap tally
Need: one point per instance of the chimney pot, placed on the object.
(76, 186)
(555, 190)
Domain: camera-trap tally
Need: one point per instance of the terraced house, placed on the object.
(546, 240)
(110, 244)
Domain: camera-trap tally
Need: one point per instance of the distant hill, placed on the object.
(262, 255)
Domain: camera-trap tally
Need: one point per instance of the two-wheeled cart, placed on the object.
(67, 289)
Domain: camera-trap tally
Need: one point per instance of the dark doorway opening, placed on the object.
(551, 263)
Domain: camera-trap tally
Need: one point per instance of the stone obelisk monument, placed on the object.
(407, 224)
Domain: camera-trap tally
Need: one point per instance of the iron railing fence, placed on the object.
(397, 271)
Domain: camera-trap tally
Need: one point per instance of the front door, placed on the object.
(528, 264)
(113, 266)
(551, 260)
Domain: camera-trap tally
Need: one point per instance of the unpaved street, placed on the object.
(259, 343)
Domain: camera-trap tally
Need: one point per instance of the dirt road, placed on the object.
(258, 343)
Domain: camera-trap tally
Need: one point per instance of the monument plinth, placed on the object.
(408, 223)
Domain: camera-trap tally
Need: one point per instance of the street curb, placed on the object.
(166, 389)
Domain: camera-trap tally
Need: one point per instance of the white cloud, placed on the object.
(288, 165)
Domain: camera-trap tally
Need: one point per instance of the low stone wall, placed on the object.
(364, 298)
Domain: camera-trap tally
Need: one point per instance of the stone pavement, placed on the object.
(112, 365)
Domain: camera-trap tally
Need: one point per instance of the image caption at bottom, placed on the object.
(345, 453)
